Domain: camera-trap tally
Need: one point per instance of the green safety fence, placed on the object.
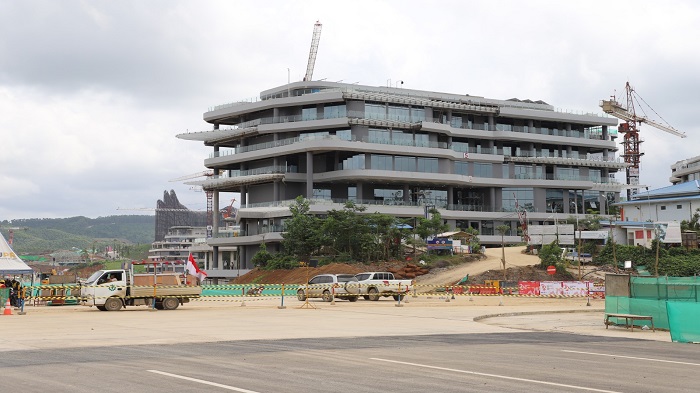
(666, 288)
(4, 294)
(243, 290)
(684, 321)
(653, 296)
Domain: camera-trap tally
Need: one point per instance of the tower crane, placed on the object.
(11, 233)
(630, 131)
(315, 38)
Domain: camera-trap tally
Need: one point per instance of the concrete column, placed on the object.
(216, 126)
(276, 191)
(244, 190)
(450, 195)
(360, 191)
(492, 198)
(568, 129)
(530, 126)
(275, 115)
(492, 123)
(565, 201)
(309, 175)
(242, 252)
(406, 193)
(605, 133)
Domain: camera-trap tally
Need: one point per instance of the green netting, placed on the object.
(4, 293)
(625, 305)
(617, 305)
(684, 321)
(665, 288)
(655, 308)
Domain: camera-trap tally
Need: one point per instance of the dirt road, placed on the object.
(514, 257)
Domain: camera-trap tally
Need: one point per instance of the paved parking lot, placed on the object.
(211, 320)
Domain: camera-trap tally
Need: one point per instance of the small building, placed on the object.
(672, 203)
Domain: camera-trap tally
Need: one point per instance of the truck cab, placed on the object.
(102, 285)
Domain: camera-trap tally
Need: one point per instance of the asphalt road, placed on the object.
(482, 362)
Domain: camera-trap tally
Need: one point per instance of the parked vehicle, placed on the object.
(110, 290)
(373, 285)
(327, 286)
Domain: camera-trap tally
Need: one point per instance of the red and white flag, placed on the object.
(193, 269)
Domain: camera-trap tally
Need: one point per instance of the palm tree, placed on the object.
(502, 230)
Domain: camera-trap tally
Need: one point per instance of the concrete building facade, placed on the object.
(396, 151)
(685, 170)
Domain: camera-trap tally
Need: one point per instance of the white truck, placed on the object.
(372, 285)
(110, 290)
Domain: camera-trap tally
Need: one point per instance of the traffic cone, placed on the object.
(8, 308)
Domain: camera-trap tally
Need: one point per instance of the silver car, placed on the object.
(325, 286)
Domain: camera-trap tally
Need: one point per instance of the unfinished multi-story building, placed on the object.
(396, 151)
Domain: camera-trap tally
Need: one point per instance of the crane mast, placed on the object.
(315, 38)
(630, 131)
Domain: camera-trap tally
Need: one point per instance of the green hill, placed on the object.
(42, 235)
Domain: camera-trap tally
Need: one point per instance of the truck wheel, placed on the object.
(366, 297)
(113, 304)
(301, 296)
(373, 294)
(159, 305)
(170, 303)
(352, 298)
(327, 296)
(397, 297)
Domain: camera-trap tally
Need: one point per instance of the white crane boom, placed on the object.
(614, 108)
(315, 38)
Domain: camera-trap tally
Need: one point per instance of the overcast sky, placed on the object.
(92, 93)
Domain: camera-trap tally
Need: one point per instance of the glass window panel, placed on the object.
(417, 114)
(379, 136)
(375, 111)
(320, 193)
(525, 198)
(381, 162)
(429, 165)
(308, 114)
(334, 111)
(460, 146)
(462, 168)
(345, 135)
(555, 200)
(483, 170)
(406, 164)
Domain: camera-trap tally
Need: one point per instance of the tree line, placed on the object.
(347, 235)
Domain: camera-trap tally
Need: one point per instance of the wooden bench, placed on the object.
(629, 318)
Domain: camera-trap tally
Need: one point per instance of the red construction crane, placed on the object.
(630, 131)
(11, 233)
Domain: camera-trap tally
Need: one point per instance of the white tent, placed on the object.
(10, 263)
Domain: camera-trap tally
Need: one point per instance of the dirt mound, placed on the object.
(520, 273)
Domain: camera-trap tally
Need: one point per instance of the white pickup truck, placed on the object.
(110, 290)
(372, 285)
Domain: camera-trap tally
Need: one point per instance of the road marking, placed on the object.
(496, 376)
(633, 357)
(218, 385)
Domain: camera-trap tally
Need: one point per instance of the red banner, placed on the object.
(529, 288)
